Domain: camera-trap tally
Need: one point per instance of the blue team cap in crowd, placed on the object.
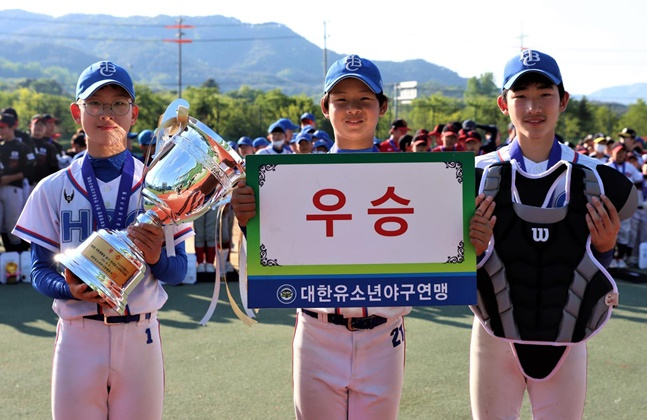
(244, 140)
(233, 144)
(146, 137)
(100, 74)
(308, 129)
(287, 124)
(357, 67)
(275, 127)
(320, 134)
(260, 142)
(301, 136)
(320, 143)
(531, 61)
(307, 116)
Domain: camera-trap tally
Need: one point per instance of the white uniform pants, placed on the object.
(497, 385)
(102, 371)
(11, 204)
(340, 374)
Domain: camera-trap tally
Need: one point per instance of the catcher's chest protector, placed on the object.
(539, 283)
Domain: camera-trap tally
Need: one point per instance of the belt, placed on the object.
(123, 319)
(351, 324)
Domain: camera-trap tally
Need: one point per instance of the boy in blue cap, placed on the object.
(245, 146)
(325, 386)
(106, 365)
(289, 128)
(542, 287)
(342, 372)
(308, 119)
(260, 143)
(276, 134)
(303, 143)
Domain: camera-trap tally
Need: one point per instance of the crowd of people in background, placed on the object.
(626, 153)
(28, 157)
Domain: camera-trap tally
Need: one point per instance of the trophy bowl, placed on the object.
(193, 170)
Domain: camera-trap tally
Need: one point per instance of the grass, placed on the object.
(227, 370)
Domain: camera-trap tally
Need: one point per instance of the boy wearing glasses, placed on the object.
(105, 365)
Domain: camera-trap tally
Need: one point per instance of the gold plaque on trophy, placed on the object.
(109, 261)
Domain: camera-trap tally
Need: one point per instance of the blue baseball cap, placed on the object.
(307, 116)
(320, 134)
(354, 66)
(308, 129)
(530, 61)
(275, 126)
(301, 136)
(100, 74)
(287, 124)
(320, 143)
(260, 142)
(146, 137)
(244, 140)
(233, 144)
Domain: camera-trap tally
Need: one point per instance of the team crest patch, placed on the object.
(286, 294)
(68, 197)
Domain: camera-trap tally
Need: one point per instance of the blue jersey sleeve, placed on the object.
(44, 274)
(171, 270)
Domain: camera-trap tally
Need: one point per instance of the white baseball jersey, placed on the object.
(629, 170)
(269, 150)
(98, 371)
(58, 216)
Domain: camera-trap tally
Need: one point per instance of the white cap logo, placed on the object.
(353, 63)
(529, 58)
(107, 69)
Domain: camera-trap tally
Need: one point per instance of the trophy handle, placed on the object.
(175, 118)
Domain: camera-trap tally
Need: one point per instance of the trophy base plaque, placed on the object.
(109, 263)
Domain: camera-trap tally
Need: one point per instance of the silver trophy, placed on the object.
(193, 170)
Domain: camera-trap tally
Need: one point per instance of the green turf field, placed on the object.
(227, 370)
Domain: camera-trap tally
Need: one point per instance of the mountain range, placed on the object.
(167, 53)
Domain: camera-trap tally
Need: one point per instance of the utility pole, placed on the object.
(521, 37)
(325, 54)
(179, 41)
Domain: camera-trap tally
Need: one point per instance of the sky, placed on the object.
(597, 45)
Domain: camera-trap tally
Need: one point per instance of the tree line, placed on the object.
(248, 112)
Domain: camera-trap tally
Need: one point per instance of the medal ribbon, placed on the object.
(123, 194)
(554, 156)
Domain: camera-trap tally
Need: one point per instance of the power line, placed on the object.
(76, 37)
(143, 25)
(154, 39)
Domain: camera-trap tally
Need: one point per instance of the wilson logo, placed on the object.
(540, 234)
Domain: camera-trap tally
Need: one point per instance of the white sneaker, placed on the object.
(210, 268)
(614, 263)
(202, 268)
(622, 264)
